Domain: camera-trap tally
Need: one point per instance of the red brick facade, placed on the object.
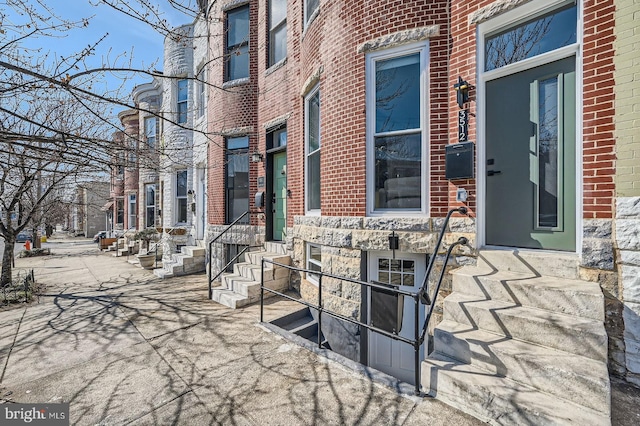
(330, 44)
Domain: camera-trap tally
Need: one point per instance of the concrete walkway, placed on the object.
(125, 348)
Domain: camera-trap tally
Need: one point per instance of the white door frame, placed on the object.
(525, 11)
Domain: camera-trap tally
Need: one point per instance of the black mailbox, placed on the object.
(459, 160)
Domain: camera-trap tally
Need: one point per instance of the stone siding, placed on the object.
(344, 239)
(628, 240)
(627, 225)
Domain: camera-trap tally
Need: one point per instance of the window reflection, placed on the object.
(540, 35)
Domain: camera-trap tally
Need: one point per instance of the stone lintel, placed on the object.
(400, 38)
(277, 121)
(238, 131)
(494, 9)
(311, 82)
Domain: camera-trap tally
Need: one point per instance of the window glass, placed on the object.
(132, 211)
(313, 151)
(201, 91)
(150, 129)
(277, 31)
(398, 170)
(537, 36)
(310, 6)
(398, 93)
(181, 196)
(183, 95)
(237, 177)
(150, 201)
(238, 43)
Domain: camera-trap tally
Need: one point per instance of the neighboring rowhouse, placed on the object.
(90, 218)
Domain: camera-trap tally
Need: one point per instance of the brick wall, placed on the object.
(232, 106)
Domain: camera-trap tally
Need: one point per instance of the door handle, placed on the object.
(493, 172)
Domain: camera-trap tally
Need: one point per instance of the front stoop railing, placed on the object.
(422, 296)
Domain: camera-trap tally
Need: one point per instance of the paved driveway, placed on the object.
(125, 348)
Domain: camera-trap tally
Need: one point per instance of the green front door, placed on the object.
(530, 154)
(279, 196)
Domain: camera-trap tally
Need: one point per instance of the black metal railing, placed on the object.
(418, 297)
(226, 248)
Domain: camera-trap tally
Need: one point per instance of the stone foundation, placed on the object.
(628, 245)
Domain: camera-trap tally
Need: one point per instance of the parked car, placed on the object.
(23, 237)
(101, 234)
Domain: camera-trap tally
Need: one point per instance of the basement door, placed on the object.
(531, 157)
(394, 313)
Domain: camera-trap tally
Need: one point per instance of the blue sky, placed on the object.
(127, 37)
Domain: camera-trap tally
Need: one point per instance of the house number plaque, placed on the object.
(463, 125)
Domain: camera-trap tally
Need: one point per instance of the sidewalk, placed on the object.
(123, 347)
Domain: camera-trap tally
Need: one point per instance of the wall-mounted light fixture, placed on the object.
(256, 157)
(394, 243)
(462, 92)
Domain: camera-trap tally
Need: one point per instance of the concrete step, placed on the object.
(256, 257)
(578, 379)
(248, 287)
(275, 247)
(193, 251)
(233, 300)
(531, 262)
(162, 273)
(249, 270)
(555, 330)
(563, 295)
(499, 400)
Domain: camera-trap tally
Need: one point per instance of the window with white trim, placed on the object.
(181, 196)
(277, 31)
(312, 152)
(314, 262)
(182, 100)
(151, 131)
(237, 44)
(397, 139)
(202, 90)
(310, 6)
(132, 211)
(150, 205)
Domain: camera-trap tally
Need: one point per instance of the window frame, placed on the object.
(151, 142)
(229, 49)
(148, 207)
(132, 203)
(120, 211)
(274, 28)
(182, 104)
(181, 198)
(316, 91)
(201, 79)
(231, 153)
(308, 16)
(422, 48)
(309, 261)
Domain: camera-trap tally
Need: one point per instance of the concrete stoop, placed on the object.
(242, 286)
(190, 260)
(522, 341)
